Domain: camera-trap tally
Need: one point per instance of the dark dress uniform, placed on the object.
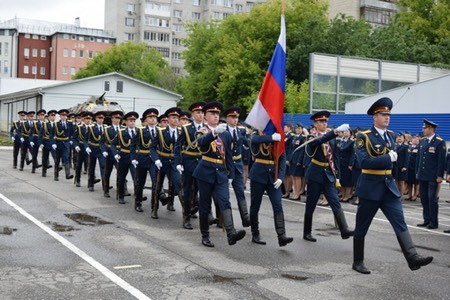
(414, 151)
(377, 190)
(213, 173)
(298, 155)
(92, 141)
(122, 145)
(321, 178)
(346, 152)
(145, 164)
(14, 134)
(34, 137)
(262, 178)
(430, 165)
(24, 136)
(46, 137)
(188, 155)
(63, 134)
(402, 162)
(105, 146)
(78, 140)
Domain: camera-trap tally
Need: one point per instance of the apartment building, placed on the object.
(161, 24)
(375, 12)
(47, 50)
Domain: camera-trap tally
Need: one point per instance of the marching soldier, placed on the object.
(187, 156)
(376, 188)
(141, 157)
(46, 137)
(61, 143)
(92, 143)
(430, 169)
(121, 147)
(34, 139)
(214, 173)
(105, 146)
(321, 175)
(162, 153)
(238, 137)
(185, 118)
(262, 178)
(24, 136)
(79, 136)
(14, 135)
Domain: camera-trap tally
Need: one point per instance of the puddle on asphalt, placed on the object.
(7, 230)
(294, 277)
(85, 219)
(62, 228)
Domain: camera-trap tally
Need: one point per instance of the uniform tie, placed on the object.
(235, 135)
(132, 133)
(152, 132)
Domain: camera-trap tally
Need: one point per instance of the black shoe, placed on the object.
(144, 198)
(154, 214)
(21, 169)
(346, 234)
(194, 210)
(69, 176)
(233, 238)
(44, 175)
(432, 226)
(193, 216)
(283, 240)
(96, 181)
(170, 207)
(29, 162)
(447, 231)
(187, 225)
(49, 167)
(424, 224)
(33, 171)
(106, 195)
(246, 222)
(309, 237)
(127, 194)
(91, 189)
(360, 267)
(14, 167)
(121, 201)
(38, 166)
(418, 261)
(138, 209)
(206, 242)
(77, 184)
(257, 240)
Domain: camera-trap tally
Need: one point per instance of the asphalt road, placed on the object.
(137, 257)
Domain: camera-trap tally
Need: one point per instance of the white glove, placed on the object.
(105, 154)
(22, 139)
(158, 164)
(393, 155)
(230, 181)
(31, 144)
(180, 169)
(71, 142)
(77, 148)
(276, 137)
(134, 162)
(88, 151)
(277, 183)
(117, 157)
(54, 146)
(221, 128)
(13, 138)
(343, 127)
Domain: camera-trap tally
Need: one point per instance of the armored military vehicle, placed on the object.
(95, 104)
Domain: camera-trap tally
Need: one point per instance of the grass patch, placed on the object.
(5, 140)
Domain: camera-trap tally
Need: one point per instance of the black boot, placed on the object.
(358, 257)
(415, 261)
(342, 223)
(243, 211)
(154, 204)
(256, 238)
(204, 229)
(106, 188)
(232, 234)
(120, 193)
(67, 169)
(283, 240)
(138, 200)
(307, 229)
(57, 172)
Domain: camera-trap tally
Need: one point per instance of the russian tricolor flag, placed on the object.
(267, 112)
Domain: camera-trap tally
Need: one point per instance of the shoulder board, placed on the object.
(203, 130)
(388, 130)
(439, 138)
(187, 125)
(366, 132)
(69, 121)
(122, 129)
(106, 126)
(241, 127)
(140, 127)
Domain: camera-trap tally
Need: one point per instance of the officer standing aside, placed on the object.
(92, 143)
(215, 172)
(141, 159)
(430, 168)
(376, 188)
(187, 156)
(321, 174)
(14, 135)
(61, 143)
(105, 146)
(46, 137)
(238, 137)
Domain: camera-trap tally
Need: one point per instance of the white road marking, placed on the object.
(126, 267)
(102, 269)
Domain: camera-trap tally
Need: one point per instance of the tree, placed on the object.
(135, 60)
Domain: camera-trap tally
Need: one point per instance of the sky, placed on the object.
(90, 12)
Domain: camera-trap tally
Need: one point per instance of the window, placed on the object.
(156, 36)
(81, 37)
(129, 22)
(35, 37)
(106, 88)
(81, 53)
(178, 1)
(73, 37)
(176, 55)
(0, 48)
(64, 70)
(178, 13)
(164, 51)
(99, 40)
(176, 70)
(26, 53)
(217, 15)
(91, 54)
(43, 38)
(228, 3)
(196, 2)
(91, 39)
(129, 37)
(239, 7)
(6, 49)
(131, 8)
(152, 21)
(177, 42)
(43, 53)
(26, 69)
(27, 35)
(177, 27)
(196, 15)
(66, 36)
(66, 52)
(42, 70)
(73, 70)
(34, 70)
(74, 53)
(119, 87)
(106, 41)
(35, 52)
(5, 66)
